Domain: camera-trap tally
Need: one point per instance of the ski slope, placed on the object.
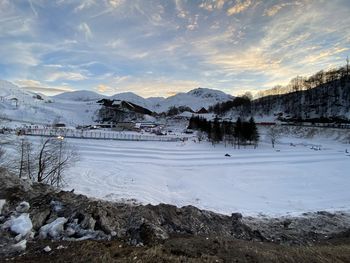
(285, 180)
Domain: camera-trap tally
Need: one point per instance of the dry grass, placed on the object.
(186, 249)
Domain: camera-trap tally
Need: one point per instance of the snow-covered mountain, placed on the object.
(133, 98)
(80, 95)
(195, 99)
(10, 91)
(81, 107)
(26, 107)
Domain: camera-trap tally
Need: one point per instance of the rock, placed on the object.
(23, 207)
(12, 188)
(18, 237)
(54, 229)
(69, 231)
(60, 247)
(47, 249)
(39, 217)
(56, 206)
(21, 225)
(2, 203)
(104, 223)
(236, 216)
(20, 246)
(88, 222)
(286, 223)
(150, 233)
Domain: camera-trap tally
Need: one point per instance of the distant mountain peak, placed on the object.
(79, 95)
(206, 93)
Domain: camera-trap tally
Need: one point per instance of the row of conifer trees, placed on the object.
(236, 133)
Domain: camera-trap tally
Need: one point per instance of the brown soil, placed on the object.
(184, 249)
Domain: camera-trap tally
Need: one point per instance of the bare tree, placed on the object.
(26, 158)
(22, 163)
(54, 157)
(273, 133)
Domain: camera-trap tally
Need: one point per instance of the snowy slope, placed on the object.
(132, 97)
(10, 91)
(195, 99)
(30, 110)
(80, 95)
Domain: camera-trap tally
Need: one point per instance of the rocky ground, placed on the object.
(41, 224)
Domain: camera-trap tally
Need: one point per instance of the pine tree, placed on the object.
(237, 132)
(246, 132)
(254, 132)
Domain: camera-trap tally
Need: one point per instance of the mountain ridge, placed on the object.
(195, 99)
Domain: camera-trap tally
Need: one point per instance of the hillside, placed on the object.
(80, 95)
(329, 100)
(10, 91)
(323, 97)
(22, 106)
(82, 107)
(194, 99)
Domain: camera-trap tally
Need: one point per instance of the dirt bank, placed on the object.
(95, 230)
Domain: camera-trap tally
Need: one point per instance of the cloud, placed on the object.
(115, 3)
(85, 4)
(18, 53)
(120, 79)
(103, 88)
(139, 55)
(116, 43)
(239, 7)
(273, 10)
(72, 76)
(181, 12)
(28, 83)
(212, 5)
(147, 87)
(326, 54)
(251, 60)
(85, 29)
(37, 86)
(225, 44)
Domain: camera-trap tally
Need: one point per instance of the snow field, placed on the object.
(291, 180)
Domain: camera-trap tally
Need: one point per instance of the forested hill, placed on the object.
(325, 95)
(329, 100)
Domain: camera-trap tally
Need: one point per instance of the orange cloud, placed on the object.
(239, 7)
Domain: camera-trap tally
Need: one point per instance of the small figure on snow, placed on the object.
(227, 155)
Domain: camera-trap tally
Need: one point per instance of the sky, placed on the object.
(162, 47)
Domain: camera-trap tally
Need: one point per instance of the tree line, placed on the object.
(300, 83)
(240, 103)
(235, 133)
(324, 95)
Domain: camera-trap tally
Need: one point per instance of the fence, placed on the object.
(102, 135)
